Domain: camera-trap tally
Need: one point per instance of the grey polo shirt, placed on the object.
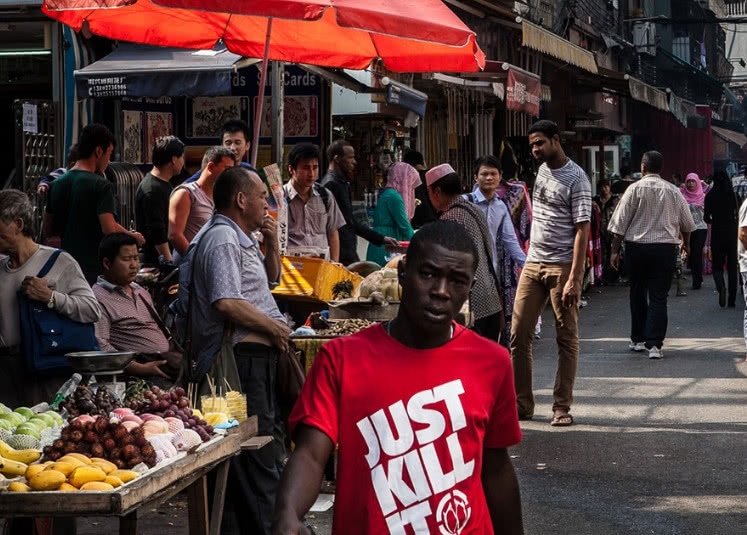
(310, 221)
(230, 265)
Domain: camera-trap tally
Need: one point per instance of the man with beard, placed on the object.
(340, 174)
(554, 270)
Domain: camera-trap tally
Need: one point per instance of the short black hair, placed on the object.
(228, 184)
(337, 148)
(488, 161)
(447, 234)
(235, 125)
(601, 183)
(303, 151)
(414, 158)
(112, 243)
(93, 136)
(165, 148)
(449, 184)
(548, 128)
(216, 154)
(654, 161)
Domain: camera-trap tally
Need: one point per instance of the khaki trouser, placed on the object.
(538, 283)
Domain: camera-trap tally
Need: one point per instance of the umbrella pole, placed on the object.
(261, 94)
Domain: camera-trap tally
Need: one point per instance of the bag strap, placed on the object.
(48, 266)
(161, 325)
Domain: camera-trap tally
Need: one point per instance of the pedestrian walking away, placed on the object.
(650, 217)
(444, 392)
(742, 247)
(553, 271)
(692, 191)
(721, 212)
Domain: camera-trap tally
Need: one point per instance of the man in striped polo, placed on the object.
(554, 270)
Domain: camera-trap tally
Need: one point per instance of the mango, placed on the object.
(12, 468)
(22, 456)
(125, 475)
(34, 469)
(86, 474)
(72, 460)
(67, 487)
(17, 486)
(62, 466)
(96, 485)
(114, 481)
(47, 480)
(82, 458)
(105, 466)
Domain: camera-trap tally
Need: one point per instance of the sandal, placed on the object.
(562, 420)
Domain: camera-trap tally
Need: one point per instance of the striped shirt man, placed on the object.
(561, 200)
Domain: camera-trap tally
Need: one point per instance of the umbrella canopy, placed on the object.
(408, 35)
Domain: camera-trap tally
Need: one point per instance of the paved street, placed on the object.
(659, 446)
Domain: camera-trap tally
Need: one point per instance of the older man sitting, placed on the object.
(64, 289)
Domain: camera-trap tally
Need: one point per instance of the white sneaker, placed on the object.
(640, 347)
(655, 353)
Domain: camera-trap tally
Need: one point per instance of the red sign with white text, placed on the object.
(523, 93)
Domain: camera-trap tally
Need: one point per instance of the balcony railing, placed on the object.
(718, 7)
(736, 8)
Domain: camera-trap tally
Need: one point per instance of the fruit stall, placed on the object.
(95, 452)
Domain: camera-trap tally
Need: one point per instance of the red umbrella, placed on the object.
(408, 35)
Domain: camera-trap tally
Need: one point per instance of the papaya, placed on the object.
(86, 474)
(96, 485)
(47, 480)
(12, 468)
(125, 475)
(17, 486)
(22, 456)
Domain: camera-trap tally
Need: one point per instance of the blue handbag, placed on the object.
(47, 336)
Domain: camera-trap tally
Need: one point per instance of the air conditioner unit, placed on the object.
(644, 38)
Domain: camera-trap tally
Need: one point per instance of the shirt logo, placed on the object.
(415, 472)
(453, 513)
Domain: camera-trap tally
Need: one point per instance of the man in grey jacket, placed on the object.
(64, 290)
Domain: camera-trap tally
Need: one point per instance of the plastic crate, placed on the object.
(312, 278)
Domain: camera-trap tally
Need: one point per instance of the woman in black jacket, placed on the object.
(721, 213)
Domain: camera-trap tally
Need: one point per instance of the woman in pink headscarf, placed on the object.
(395, 208)
(692, 190)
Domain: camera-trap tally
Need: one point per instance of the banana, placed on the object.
(13, 468)
(22, 456)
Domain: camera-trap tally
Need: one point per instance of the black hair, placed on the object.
(548, 128)
(488, 161)
(112, 243)
(216, 154)
(624, 171)
(653, 161)
(72, 155)
(94, 136)
(601, 183)
(447, 234)
(337, 148)
(449, 184)
(303, 151)
(229, 183)
(165, 148)
(414, 158)
(235, 125)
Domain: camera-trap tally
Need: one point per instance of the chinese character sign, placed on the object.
(523, 93)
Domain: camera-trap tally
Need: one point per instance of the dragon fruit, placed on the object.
(175, 424)
(84, 419)
(148, 417)
(186, 440)
(132, 418)
(121, 413)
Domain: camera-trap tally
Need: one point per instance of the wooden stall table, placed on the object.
(140, 495)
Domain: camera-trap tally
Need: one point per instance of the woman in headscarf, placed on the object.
(692, 190)
(395, 208)
(721, 212)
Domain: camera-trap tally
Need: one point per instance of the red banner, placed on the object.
(523, 93)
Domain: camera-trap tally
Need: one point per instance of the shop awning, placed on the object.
(650, 95)
(730, 136)
(545, 41)
(134, 70)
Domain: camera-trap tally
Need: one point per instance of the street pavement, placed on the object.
(658, 447)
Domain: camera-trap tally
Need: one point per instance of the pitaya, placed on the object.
(186, 440)
(132, 418)
(148, 417)
(85, 418)
(121, 413)
(175, 424)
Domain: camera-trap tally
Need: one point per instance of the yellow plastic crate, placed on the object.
(312, 277)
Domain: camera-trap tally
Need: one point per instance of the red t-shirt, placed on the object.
(411, 425)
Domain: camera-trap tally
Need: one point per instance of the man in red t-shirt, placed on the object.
(422, 409)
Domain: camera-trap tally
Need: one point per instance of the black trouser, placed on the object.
(724, 251)
(489, 327)
(651, 268)
(255, 475)
(697, 242)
